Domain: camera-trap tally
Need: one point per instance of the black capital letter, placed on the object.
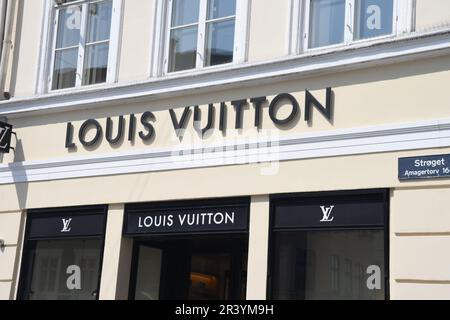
(223, 117)
(198, 119)
(109, 125)
(180, 126)
(83, 130)
(273, 109)
(257, 103)
(145, 120)
(132, 127)
(312, 101)
(239, 106)
(69, 136)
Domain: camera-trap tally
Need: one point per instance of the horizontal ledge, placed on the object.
(423, 234)
(353, 57)
(344, 142)
(10, 245)
(421, 281)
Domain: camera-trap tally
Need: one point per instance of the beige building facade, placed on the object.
(132, 111)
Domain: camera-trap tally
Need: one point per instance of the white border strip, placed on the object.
(384, 138)
(352, 57)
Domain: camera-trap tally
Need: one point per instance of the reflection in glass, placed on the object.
(96, 63)
(327, 22)
(148, 273)
(339, 266)
(221, 8)
(373, 18)
(67, 44)
(183, 49)
(220, 41)
(65, 270)
(210, 277)
(185, 12)
(99, 21)
(65, 68)
(198, 268)
(69, 25)
(96, 45)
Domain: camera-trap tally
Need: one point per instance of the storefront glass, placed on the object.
(193, 268)
(189, 250)
(317, 265)
(63, 254)
(65, 270)
(329, 246)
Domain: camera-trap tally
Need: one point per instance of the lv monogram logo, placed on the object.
(326, 211)
(66, 224)
(3, 133)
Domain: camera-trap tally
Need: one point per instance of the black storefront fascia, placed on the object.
(222, 221)
(175, 218)
(60, 224)
(355, 210)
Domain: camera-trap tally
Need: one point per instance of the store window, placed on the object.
(373, 18)
(191, 267)
(337, 22)
(85, 38)
(194, 250)
(204, 33)
(63, 254)
(329, 248)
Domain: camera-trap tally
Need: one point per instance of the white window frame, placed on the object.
(48, 40)
(161, 38)
(300, 25)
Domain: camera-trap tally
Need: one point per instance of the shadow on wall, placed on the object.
(17, 260)
(19, 175)
(22, 193)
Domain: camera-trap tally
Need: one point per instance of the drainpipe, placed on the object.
(7, 11)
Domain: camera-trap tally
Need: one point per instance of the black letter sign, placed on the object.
(145, 120)
(273, 109)
(83, 130)
(312, 101)
(229, 216)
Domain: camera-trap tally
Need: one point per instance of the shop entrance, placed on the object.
(189, 250)
(190, 268)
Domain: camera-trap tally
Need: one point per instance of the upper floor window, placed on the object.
(334, 22)
(203, 33)
(82, 45)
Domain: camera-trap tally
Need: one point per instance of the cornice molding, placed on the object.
(357, 56)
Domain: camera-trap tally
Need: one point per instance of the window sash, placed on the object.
(202, 23)
(81, 61)
(305, 10)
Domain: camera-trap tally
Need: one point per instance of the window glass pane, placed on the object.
(148, 274)
(373, 18)
(210, 277)
(221, 8)
(316, 265)
(65, 69)
(65, 270)
(185, 12)
(327, 22)
(220, 42)
(69, 25)
(99, 21)
(95, 63)
(183, 49)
